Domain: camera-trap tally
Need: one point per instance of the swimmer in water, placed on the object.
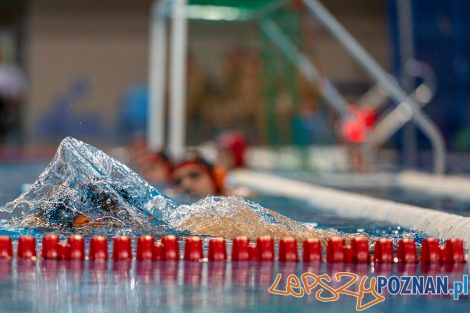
(156, 167)
(71, 195)
(227, 217)
(104, 211)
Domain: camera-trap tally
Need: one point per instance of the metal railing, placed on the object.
(407, 107)
(307, 68)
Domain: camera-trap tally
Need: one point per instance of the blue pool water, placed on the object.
(14, 175)
(397, 194)
(185, 287)
(58, 286)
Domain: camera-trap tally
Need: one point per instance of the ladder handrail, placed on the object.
(392, 88)
(376, 95)
(405, 102)
(306, 67)
(399, 116)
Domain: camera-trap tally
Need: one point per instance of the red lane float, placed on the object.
(430, 251)
(217, 250)
(265, 247)
(193, 249)
(383, 251)
(360, 250)
(348, 254)
(252, 252)
(335, 250)
(240, 249)
(98, 250)
(122, 248)
(50, 247)
(64, 251)
(407, 251)
(26, 247)
(158, 252)
(172, 249)
(453, 251)
(312, 251)
(145, 246)
(288, 250)
(76, 244)
(357, 251)
(6, 247)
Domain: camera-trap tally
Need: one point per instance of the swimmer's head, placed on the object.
(197, 177)
(157, 167)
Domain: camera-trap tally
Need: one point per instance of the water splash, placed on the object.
(83, 182)
(85, 190)
(234, 216)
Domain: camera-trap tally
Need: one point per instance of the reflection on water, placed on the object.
(56, 286)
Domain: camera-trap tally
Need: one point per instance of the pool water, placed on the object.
(14, 175)
(56, 286)
(412, 197)
(440, 203)
(60, 286)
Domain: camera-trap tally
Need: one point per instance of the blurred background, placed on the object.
(81, 68)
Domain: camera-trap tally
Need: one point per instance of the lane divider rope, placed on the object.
(350, 205)
(338, 250)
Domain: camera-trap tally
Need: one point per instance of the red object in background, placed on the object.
(98, 248)
(6, 247)
(240, 249)
(64, 251)
(26, 247)
(77, 247)
(172, 250)
(158, 252)
(50, 247)
(356, 126)
(312, 250)
(217, 249)
(453, 251)
(335, 250)
(122, 248)
(360, 250)
(297, 4)
(366, 115)
(265, 247)
(193, 249)
(430, 251)
(407, 251)
(235, 145)
(383, 251)
(145, 246)
(353, 131)
(288, 250)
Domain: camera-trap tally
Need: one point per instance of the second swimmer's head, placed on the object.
(197, 177)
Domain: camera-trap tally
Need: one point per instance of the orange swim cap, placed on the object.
(80, 220)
